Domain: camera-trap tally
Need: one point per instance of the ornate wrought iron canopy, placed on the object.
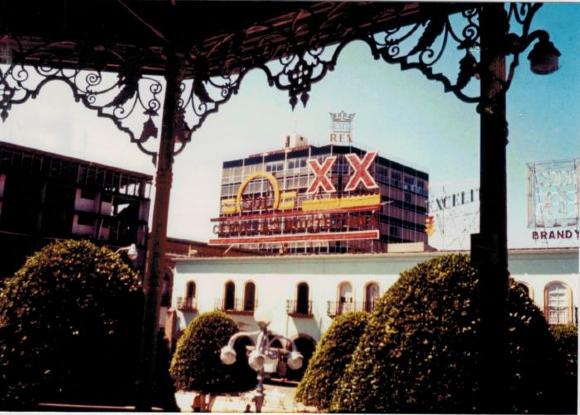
(114, 53)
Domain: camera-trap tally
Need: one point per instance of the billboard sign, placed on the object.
(553, 196)
(334, 204)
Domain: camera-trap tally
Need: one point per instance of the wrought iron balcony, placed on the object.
(336, 308)
(299, 309)
(187, 303)
(236, 306)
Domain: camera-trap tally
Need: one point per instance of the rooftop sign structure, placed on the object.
(341, 127)
(554, 199)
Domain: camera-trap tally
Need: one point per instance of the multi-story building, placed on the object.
(46, 196)
(327, 199)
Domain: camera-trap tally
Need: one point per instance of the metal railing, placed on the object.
(236, 306)
(337, 308)
(299, 309)
(560, 315)
(187, 303)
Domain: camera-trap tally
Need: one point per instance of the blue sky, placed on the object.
(402, 115)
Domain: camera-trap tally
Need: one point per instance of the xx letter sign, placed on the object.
(321, 179)
(361, 173)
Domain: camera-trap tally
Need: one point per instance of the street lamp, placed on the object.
(131, 251)
(544, 57)
(262, 353)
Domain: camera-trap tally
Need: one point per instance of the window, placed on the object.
(395, 176)
(88, 193)
(190, 290)
(86, 219)
(345, 298)
(371, 296)
(249, 296)
(558, 301)
(230, 296)
(302, 295)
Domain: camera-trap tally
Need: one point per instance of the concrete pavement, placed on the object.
(279, 398)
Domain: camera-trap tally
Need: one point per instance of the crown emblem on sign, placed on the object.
(341, 116)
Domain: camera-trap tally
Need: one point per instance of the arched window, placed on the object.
(190, 290)
(249, 296)
(302, 299)
(345, 298)
(230, 296)
(371, 295)
(558, 303)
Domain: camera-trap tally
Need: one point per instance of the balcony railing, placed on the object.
(187, 303)
(296, 309)
(336, 308)
(561, 315)
(236, 306)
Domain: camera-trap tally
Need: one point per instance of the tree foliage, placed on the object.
(420, 350)
(333, 353)
(196, 364)
(70, 321)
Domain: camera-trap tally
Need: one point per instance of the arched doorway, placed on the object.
(305, 345)
(230, 296)
(250, 296)
(371, 296)
(302, 298)
(345, 298)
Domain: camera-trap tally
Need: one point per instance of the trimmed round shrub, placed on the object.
(196, 364)
(70, 322)
(421, 348)
(333, 353)
(567, 342)
(566, 337)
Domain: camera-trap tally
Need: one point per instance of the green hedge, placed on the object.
(332, 354)
(69, 324)
(420, 350)
(196, 364)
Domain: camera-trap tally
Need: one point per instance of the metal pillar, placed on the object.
(155, 268)
(489, 247)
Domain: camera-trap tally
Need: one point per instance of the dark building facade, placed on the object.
(46, 197)
(327, 199)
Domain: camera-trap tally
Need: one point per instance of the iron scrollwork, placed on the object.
(422, 46)
(300, 66)
(123, 97)
(297, 72)
(199, 98)
(291, 62)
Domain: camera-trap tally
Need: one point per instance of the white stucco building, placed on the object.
(304, 293)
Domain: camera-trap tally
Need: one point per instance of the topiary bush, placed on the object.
(420, 350)
(333, 353)
(566, 337)
(196, 364)
(70, 321)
